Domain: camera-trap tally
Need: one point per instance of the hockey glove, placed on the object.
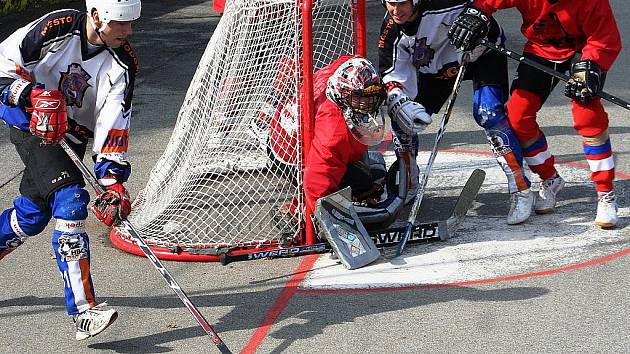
(410, 116)
(112, 206)
(470, 26)
(585, 81)
(49, 119)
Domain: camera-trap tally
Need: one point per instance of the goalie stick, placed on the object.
(465, 200)
(424, 232)
(464, 203)
(558, 75)
(427, 170)
(128, 227)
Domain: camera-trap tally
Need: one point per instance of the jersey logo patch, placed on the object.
(422, 53)
(73, 84)
(549, 30)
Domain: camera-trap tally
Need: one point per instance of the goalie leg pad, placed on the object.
(344, 231)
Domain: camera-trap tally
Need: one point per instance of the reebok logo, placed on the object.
(46, 104)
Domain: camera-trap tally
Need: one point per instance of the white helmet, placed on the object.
(357, 88)
(114, 10)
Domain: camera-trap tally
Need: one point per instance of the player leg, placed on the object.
(24, 220)
(72, 250)
(490, 84)
(406, 148)
(530, 90)
(55, 183)
(591, 122)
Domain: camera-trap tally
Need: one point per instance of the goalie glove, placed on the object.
(49, 119)
(410, 116)
(585, 81)
(470, 26)
(112, 206)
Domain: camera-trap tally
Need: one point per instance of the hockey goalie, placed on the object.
(348, 95)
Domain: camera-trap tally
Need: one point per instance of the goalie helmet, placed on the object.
(115, 10)
(357, 89)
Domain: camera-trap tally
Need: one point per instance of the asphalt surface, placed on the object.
(255, 305)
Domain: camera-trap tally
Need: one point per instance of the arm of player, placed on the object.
(327, 159)
(111, 140)
(603, 41)
(48, 118)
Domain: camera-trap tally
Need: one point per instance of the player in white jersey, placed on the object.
(70, 74)
(419, 66)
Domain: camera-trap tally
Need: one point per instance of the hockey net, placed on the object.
(236, 153)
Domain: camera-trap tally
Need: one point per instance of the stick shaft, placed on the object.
(547, 70)
(128, 227)
(427, 170)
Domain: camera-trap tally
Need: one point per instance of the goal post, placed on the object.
(233, 165)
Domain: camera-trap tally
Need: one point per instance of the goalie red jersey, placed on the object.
(333, 146)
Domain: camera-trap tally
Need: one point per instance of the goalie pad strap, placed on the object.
(385, 212)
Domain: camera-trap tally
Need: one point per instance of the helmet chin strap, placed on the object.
(98, 30)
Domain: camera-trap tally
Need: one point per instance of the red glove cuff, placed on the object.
(113, 205)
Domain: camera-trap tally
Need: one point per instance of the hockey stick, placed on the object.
(425, 177)
(465, 200)
(424, 232)
(558, 75)
(127, 226)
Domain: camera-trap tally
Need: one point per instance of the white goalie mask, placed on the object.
(114, 10)
(357, 89)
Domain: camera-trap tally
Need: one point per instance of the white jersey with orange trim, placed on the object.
(96, 81)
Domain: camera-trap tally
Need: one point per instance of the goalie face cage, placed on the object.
(236, 154)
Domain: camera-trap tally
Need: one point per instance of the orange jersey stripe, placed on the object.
(117, 141)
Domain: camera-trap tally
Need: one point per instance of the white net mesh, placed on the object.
(235, 155)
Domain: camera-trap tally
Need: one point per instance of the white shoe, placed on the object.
(521, 205)
(606, 210)
(546, 198)
(94, 321)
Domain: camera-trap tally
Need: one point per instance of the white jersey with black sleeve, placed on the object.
(422, 47)
(96, 81)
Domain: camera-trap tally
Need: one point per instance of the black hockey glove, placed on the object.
(585, 81)
(470, 26)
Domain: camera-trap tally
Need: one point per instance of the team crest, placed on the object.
(422, 53)
(549, 30)
(73, 84)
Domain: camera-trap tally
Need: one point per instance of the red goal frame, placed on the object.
(211, 253)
